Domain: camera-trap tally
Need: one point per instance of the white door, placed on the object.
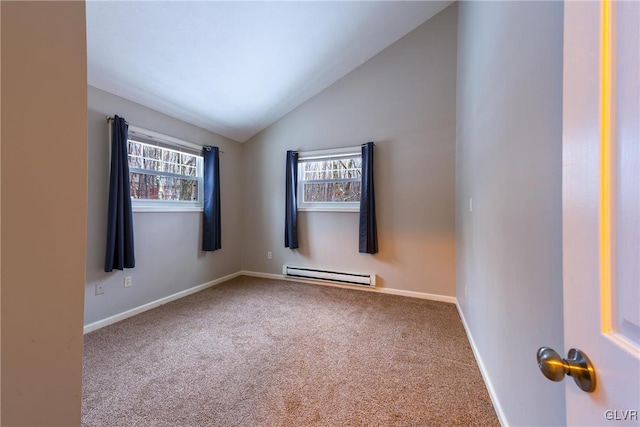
(601, 207)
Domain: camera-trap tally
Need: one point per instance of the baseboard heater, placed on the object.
(343, 277)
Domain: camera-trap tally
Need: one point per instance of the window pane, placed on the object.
(338, 191)
(331, 180)
(135, 155)
(150, 157)
(345, 168)
(189, 163)
(155, 187)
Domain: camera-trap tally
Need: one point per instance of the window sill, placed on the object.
(165, 208)
(328, 209)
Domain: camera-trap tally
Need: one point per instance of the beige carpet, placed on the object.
(258, 352)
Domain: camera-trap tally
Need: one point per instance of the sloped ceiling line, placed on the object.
(235, 68)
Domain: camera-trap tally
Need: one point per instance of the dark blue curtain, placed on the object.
(368, 237)
(211, 224)
(119, 254)
(291, 203)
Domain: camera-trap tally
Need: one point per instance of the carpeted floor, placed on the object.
(258, 352)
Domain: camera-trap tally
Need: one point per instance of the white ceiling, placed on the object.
(236, 67)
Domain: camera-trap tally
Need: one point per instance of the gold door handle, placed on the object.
(576, 365)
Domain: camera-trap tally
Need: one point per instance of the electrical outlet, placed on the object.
(269, 255)
(99, 289)
(127, 281)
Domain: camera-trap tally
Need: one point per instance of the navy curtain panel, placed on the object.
(368, 236)
(119, 254)
(291, 202)
(211, 224)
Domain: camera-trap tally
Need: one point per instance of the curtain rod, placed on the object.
(109, 118)
(206, 147)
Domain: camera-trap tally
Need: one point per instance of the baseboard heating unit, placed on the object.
(341, 277)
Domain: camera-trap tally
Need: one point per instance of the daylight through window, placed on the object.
(161, 174)
(330, 180)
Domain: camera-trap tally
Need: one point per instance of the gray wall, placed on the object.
(404, 100)
(509, 159)
(44, 196)
(167, 245)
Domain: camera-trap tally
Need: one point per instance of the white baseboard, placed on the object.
(263, 275)
(412, 294)
(485, 375)
(157, 303)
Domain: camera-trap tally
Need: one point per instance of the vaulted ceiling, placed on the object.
(236, 67)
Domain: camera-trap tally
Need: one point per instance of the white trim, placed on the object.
(401, 292)
(329, 153)
(164, 208)
(421, 295)
(266, 275)
(485, 375)
(319, 155)
(329, 207)
(157, 303)
(154, 304)
(164, 138)
(178, 146)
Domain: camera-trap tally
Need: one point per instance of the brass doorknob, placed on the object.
(576, 365)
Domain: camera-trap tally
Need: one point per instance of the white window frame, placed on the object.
(147, 136)
(319, 155)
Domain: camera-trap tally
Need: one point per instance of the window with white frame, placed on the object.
(165, 173)
(329, 180)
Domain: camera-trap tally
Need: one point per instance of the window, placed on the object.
(329, 180)
(165, 174)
